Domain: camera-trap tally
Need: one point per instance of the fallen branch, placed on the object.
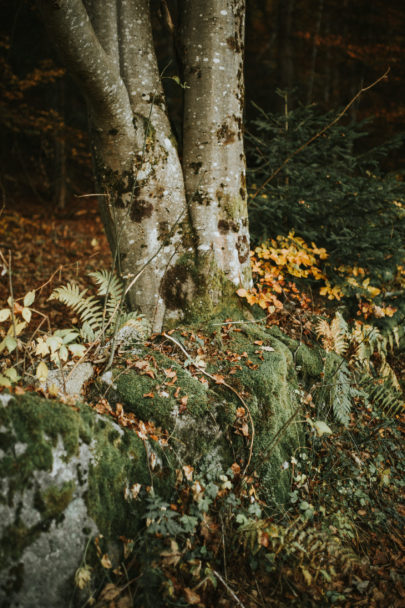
(227, 587)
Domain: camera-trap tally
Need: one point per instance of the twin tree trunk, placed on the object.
(177, 225)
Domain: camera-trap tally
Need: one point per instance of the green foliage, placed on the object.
(366, 372)
(329, 194)
(98, 318)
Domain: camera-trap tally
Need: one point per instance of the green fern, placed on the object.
(383, 394)
(110, 286)
(88, 308)
(375, 378)
(342, 395)
(97, 318)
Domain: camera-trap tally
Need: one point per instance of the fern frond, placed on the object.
(109, 285)
(333, 336)
(342, 397)
(382, 394)
(88, 308)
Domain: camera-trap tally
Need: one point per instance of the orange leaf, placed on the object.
(150, 395)
(218, 378)
(192, 597)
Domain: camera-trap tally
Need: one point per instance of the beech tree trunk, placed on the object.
(178, 230)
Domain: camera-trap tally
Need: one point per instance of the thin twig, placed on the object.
(223, 383)
(241, 322)
(227, 587)
(10, 277)
(321, 132)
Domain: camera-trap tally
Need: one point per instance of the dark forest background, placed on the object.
(319, 52)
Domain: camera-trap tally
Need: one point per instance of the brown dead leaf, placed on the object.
(183, 404)
(172, 557)
(245, 430)
(106, 562)
(235, 468)
(125, 602)
(109, 593)
(188, 472)
(191, 596)
(218, 378)
(170, 373)
(148, 395)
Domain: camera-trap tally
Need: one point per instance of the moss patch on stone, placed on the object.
(272, 389)
(37, 487)
(55, 499)
(269, 384)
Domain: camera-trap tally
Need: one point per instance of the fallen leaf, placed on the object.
(235, 468)
(172, 557)
(183, 404)
(170, 373)
(218, 378)
(245, 430)
(106, 562)
(148, 395)
(188, 472)
(42, 372)
(321, 428)
(110, 592)
(191, 596)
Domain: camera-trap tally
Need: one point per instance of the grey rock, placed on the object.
(69, 382)
(49, 563)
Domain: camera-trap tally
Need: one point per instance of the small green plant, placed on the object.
(58, 346)
(366, 365)
(100, 319)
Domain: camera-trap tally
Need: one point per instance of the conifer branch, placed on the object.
(320, 133)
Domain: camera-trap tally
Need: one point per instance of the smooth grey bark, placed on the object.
(214, 161)
(183, 247)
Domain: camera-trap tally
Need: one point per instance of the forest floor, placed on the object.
(349, 493)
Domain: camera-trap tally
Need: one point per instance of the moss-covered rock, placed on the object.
(69, 473)
(208, 427)
(65, 476)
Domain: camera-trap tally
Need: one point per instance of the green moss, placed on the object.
(36, 424)
(118, 466)
(16, 538)
(55, 499)
(273, 401)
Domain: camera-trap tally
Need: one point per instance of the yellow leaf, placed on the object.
(18, 328)
(83, 577)
(42, 372)
(307, 576)
(42, 348)
(106, 562)
(5, 313)
(26, 314)
(242, 293)
(29, 298)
